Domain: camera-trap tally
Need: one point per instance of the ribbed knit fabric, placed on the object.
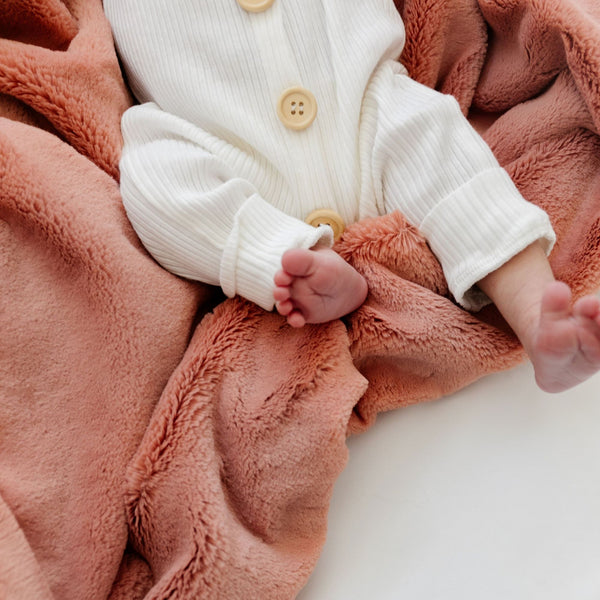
(218, 188)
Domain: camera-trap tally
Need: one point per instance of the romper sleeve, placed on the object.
(439, 172)
(195, 217)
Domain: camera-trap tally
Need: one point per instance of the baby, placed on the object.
(262, 118)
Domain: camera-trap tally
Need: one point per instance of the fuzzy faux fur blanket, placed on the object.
(159, 442)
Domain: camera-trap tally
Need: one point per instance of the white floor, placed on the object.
(490, 494)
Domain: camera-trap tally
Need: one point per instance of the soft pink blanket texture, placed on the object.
(158, 442)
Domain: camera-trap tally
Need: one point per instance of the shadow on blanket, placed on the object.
(155, 444)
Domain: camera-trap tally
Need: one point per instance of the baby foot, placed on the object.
(316, 286)
(566, 347)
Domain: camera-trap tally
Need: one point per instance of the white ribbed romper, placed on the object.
(217, 187)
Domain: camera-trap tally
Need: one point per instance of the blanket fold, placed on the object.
(157, 442)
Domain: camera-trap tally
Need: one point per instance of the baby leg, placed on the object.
(562, 339)
(316, 286)
(566, 350)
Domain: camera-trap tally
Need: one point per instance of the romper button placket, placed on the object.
(255, 5)
(325, 216)
(297, 108)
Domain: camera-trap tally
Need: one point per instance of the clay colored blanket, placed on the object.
(157, 441)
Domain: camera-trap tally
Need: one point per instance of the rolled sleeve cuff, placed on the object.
(480, 227)
(261, 234)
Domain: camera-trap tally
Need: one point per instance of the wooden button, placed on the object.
(297, 108)
(255, 5)
(324, 216)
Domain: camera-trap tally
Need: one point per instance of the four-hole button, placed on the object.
(326, 216)
(297, 108)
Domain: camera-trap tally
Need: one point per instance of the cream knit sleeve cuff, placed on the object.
(260, 235)
(478, 228)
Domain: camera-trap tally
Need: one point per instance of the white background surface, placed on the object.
(490, 494)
